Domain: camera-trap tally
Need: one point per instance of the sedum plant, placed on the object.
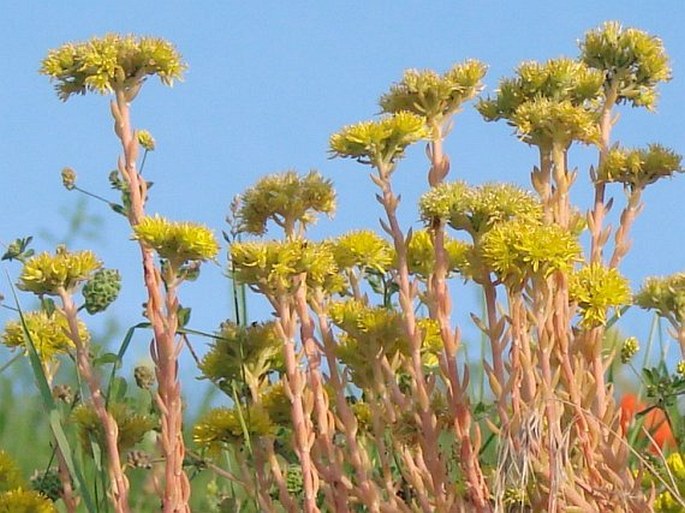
(357, 393)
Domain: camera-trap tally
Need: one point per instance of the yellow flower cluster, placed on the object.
(435, 96)
(178, 242)
(132, 425)
(47, 274)
(110, 63)
(364, 249)
(380, 142)
(13, 497)
(596, 288)
(48, 334)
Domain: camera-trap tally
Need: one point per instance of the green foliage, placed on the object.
(517, 250)
(285, 199)
(19, 250)
(596, 288)
(101, 290)
(638, 168)
(379, 143)
(664, 295)
(632, 62)
(111, 63)
(434, 96)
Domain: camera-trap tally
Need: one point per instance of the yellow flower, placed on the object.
(48, 334)
(146, 140)
(46, 273)
(379, 142)
(110, 63)
(178, 242)
(25, 501)
(10, 475)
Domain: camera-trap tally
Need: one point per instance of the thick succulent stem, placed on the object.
(161, 312)
(118, 479)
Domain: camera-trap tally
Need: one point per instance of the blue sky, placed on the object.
(268, 82)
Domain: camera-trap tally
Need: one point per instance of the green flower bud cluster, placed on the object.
(363, 249)
(144, 377)
(221, 426)
(46, 273)
(421, 254)
(47, 332)
(111, 63)
(272, 265)
(101, 290)
(47, 483)
(638, 168)
(435, 96)
(294, 481)
(379, 143)
(519, 249)
(178, 242)
(596, 288)
(63, 393)
(630, 348)
(665, 295)
(139, 459)
(285, 199)
(548, 102)
(133, 426)
(631, 60)
(255, 350)
(477, 209)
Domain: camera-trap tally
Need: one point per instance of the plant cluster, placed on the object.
(356, 395)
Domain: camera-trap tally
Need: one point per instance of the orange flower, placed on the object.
(655, 422)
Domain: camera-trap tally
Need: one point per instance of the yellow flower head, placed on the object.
(46, 273)
(10, 475)
(132, 425)
(596, 288)
(363, 249)
(379, 142)
(146, 140)
(25, 501)
(48, 334)
(178, 242)
(110, 63)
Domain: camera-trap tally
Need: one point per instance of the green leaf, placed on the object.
(107, 358)
(183, 316)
